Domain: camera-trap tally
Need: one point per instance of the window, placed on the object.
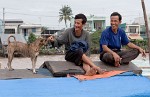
(9, 31)
(33, 29)
(132, 30)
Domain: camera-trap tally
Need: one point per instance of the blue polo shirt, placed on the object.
(112, 40)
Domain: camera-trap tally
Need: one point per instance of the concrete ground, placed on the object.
(24, 63)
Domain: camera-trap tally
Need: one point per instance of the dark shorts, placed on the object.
(75, 57)
(126, 55)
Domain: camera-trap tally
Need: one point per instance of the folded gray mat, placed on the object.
(62, 68)
(127, 67)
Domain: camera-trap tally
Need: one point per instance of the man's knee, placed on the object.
(107, 57)
(136, 51)
(130, 55)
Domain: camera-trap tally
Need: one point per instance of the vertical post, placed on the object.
(40, 20)
(146, 25)
(3, 20)
(93, 29)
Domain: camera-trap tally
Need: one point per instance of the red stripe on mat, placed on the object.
(104, 75)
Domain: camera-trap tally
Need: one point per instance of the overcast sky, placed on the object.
(46, 12)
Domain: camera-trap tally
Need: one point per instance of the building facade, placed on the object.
(132, 31)
(93, 23)
(131, 28)
(1, 26)
(26, 29)
(141, 22)
(18, 27)
(11, 26)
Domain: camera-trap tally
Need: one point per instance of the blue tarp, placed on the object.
(117, 86)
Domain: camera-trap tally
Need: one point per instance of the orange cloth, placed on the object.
(104, 75)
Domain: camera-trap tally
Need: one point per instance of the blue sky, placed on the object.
(46, 12)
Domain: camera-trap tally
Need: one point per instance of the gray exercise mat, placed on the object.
(128, 67)
(62, 68)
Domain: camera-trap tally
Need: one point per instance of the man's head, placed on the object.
(80, 20)
(115, 20)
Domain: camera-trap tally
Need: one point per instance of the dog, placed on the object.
(28, 50)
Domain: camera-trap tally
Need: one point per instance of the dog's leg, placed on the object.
(34, 64)
(10, 57)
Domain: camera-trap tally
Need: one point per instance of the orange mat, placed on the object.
(104, 75)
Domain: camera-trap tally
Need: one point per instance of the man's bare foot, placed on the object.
(91, 72)
(100, 71)
(117, 64)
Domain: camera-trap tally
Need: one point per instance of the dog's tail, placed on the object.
(10, 37)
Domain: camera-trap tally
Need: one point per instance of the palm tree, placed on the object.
(65, 14)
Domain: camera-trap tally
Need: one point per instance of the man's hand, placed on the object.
(142, 52)
(117, 59)
(51, 38)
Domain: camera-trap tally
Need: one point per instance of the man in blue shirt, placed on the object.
(111, 41)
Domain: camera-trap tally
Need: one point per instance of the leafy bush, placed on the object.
(141, 43)
(31, 38)
(95, 41)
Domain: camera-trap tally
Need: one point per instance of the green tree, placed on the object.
(31, 38)
(95, 36)
(43, 29)
(65, 14)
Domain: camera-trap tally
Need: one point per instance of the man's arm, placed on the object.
(131, 45)
(62, 39)
(106, 49)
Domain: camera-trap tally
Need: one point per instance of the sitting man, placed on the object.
(111, 41)
(78, 56)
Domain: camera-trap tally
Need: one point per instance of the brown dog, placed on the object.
(28, 50)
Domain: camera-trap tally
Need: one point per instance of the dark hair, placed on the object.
(116, 14)
(81, 16)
